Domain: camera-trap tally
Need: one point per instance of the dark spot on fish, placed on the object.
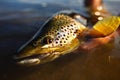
(57, 29)
(62, 37)
(71, 25)
(61, 27)
(56, 39)
(52, 32)
(58, 33)
(74, 23)
(63, 34)
(56, 42)
(60, 44)
(60, 41)
(47, 40)
(73, 34)
(64, 41)
(76, 31)
(67, 36)
(58, 36)
(72, 29)
(65, 30)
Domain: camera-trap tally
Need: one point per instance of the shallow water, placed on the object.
(20, 20)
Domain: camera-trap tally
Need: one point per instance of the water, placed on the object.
(19, 21)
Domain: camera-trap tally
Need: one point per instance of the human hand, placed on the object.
(96, 42)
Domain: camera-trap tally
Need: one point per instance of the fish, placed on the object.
(57, 37)
(62, 34)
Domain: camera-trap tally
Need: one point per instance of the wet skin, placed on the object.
(59, 36)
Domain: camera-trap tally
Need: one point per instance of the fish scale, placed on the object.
(63, 30)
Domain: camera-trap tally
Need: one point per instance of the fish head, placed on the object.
(57, 37)
(33, 55)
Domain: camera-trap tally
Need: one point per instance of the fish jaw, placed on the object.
(39, 55)
(37, 59)
(30, 55)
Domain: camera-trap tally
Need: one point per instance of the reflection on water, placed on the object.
(97, 64)
(19, 22)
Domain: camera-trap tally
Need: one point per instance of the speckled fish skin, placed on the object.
(57, 37)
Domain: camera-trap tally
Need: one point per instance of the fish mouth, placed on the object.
(36, 59)
(27, 61)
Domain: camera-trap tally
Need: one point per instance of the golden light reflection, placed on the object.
(97, 13)
(99, 8)
(109, 58)
(100, 18)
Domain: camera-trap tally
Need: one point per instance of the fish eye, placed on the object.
(47, 40)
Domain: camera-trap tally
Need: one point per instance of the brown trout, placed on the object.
(60, 35)
(57, 37)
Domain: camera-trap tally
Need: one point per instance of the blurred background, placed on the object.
(19, 21)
